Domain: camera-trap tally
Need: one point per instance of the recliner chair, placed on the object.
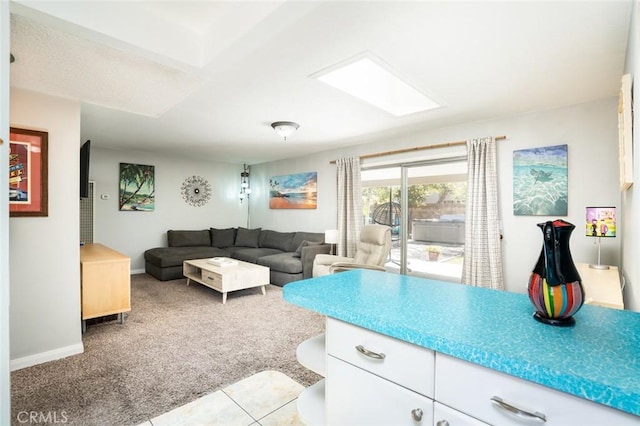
(372, 252)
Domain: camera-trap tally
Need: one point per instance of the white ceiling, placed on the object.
(206, 78)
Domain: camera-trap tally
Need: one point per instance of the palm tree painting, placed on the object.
(137, 187)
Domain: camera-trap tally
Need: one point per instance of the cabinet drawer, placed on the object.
(212, 279)
(356, 397)
(445, 416)
(469, 388)
(408, 365)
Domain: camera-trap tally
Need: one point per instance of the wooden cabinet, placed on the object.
(105, 282)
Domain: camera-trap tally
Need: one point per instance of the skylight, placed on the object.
(371, 82)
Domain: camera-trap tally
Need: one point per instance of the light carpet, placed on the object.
(177, 344)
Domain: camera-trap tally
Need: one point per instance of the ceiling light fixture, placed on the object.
(285, 128)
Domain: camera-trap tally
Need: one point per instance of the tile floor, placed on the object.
(267, 399)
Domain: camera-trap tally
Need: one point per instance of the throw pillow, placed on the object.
(221, 238)
(304, 243)
(248, 237)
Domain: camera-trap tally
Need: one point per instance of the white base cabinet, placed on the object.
(357, 397)
(501, 399)
(372, 379)
(446, 416)
(399, 362)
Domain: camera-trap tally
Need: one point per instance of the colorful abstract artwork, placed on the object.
(28, 173)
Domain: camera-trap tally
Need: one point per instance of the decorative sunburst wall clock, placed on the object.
(196, 191)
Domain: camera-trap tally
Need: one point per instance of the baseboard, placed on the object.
(137, 271)
(28, 361)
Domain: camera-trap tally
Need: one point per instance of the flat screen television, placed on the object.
(84, 169)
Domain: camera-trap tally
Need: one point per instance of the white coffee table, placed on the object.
(227, 278)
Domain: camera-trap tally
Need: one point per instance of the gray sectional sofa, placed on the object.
(289, 255)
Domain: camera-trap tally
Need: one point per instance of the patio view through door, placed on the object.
(424, 204)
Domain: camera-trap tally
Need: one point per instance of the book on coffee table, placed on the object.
(222, 261)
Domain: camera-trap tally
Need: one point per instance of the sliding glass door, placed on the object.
(424, 204)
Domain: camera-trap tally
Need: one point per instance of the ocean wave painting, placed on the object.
(540, 181)
(297, 191)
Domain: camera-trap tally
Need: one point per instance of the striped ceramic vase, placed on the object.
(555, 287)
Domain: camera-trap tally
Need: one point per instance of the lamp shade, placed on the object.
(601, 222)
(331, 236)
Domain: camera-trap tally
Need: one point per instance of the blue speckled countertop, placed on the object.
(597, 359)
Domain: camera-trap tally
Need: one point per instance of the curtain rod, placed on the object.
(416, 148)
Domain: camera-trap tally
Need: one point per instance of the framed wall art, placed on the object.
(137, 188)
(297, 191)
(625, 133)
(540, 181)
(28, 172)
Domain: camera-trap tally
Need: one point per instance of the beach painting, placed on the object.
(297, 191)
(540, 181)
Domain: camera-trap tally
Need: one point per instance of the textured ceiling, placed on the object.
(65, 65)
(206, 79)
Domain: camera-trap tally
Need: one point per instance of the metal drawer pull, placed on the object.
(518, 412)
(442, 423)
(417, 413)
(369, 353)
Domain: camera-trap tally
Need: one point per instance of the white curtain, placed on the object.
(349, 205)
(482, 252)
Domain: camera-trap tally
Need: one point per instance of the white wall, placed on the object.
(309, 220)
(589, 130)
(131, 233)
(631, 214)
(44, 252)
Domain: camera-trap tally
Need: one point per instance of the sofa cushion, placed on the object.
(222, 237)
(252, 255)
(174, 256)
(317, 237)
(276, 240)
(188, 238)
(282, 262)
(248, 237)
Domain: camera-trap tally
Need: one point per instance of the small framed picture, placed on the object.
(28, 170)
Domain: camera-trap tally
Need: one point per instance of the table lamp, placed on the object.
(600, 223)
(331, 237)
